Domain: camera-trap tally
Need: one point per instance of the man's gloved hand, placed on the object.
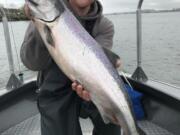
(84, 94)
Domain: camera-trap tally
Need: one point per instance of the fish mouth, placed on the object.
(33, 3)
(49, 21)
(41, 12)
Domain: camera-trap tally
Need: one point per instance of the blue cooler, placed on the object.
(136, 97)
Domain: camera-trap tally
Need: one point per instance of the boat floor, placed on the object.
(31, 126)
(20, 116)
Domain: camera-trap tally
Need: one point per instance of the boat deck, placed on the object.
(21, 117)
(31, 126)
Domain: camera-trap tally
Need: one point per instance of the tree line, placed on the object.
(14, 14)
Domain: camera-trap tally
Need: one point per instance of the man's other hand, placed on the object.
(118, 63)
(27, 11)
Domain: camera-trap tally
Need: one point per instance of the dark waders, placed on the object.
(60, 108)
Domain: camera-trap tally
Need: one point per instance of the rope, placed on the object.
(16, 52)
(125, 78)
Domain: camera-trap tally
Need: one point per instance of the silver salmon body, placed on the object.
(80, 57)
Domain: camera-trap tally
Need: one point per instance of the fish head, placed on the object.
(45, 10)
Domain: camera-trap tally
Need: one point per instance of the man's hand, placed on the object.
(84, 94)
(81, 92)
(118, 63)
(27, 11)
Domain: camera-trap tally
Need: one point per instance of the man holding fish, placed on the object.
(58, 103)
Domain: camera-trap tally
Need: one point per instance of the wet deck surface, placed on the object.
(31, 126)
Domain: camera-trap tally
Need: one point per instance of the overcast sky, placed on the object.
(117, 5)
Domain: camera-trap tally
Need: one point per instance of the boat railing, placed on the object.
(14, 81)
(139, 74)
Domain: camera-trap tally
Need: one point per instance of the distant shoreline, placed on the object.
(18, 14)
(147, 11)
(14, 15)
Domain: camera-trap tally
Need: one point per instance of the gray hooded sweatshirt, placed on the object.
(34, 54)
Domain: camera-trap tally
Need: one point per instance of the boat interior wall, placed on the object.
(9, 95)
(160, 108)
(162, 114)
(17, 105)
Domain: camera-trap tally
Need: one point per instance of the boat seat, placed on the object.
(31, 126)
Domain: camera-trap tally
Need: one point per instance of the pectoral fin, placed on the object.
(49, 37)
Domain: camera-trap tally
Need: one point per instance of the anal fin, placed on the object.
(105, 119)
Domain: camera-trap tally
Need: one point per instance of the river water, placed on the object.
(161, 45)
